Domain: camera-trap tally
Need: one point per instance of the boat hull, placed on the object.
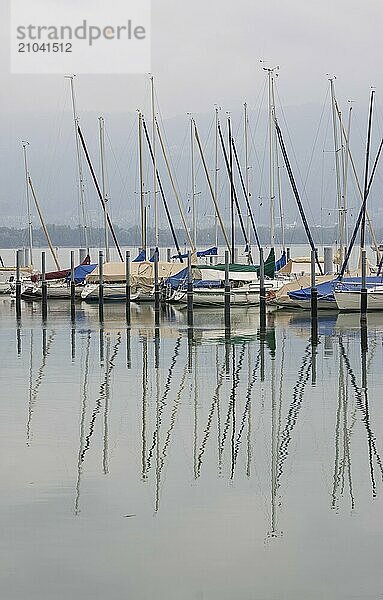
(350, 301)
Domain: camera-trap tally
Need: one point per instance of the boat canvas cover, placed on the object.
(209, 252)
(326, 289)
(281, 262)
(239, 272)
(81, 272)
(299, 265)
(141, 273)
(58, 274)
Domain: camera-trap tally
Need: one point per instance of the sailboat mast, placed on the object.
(193, 195)
(216, 169)
(103, 185)
(79, 165)
(154, 162)
(337, 172)
(345, 176)
(30, 232)
(247, 168)
(271, 157)
(142, 202)
(278, 169)
(232, 259)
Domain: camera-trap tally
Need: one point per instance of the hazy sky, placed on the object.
(204, 52)
(209, 51)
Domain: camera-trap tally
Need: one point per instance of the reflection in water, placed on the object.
(343, 432)
(34, 390)
(293, 412)
(84, 397)
(361, 398)
(103, 393)
(213, 406)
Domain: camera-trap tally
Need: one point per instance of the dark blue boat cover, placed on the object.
(281, 262)
(209, 252)
(326, 289)
(81, 272)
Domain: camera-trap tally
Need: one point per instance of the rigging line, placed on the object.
(235, 197)
(107, 216)
(360, 216)
(361, 193)
(196, 135)
(316, 139)
(296, 194)
(162, 192)
(175, 191)
(44, 227)
(251, 215)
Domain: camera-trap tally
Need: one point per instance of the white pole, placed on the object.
(103, 185)
(154, 163)
(79, 164)
(30, 232)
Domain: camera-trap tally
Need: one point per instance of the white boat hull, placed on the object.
(112, 293)
(350, 301)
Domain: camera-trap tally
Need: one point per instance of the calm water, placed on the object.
(136, 465)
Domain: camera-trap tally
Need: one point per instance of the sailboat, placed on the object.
(209, 284)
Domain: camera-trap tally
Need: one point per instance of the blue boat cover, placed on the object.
(326, 289)
(281, 262)
(81, 272)
(209, 252)
(141, 257)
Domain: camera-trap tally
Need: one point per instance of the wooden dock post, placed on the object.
(18, 285)
(262, 291)
(363, 291)
(156, 290)
(128, 289)
(227, 293)
(44, 287)
(101, 286)
(190, 291)
(72, 288)
(314, 300)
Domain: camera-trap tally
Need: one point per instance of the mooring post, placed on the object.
(190, 291)
(18, 285)
(328, 260)
(168, 255)
(72, 288)
(288, 254)
(156, 290)
(227, 292)
(363, 291)
(44, 287)
(127, 282)
(101, 286)
(314, 300)
(262, 291)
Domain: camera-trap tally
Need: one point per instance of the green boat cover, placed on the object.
(235, 268)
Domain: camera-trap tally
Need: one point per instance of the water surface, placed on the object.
(189, 465)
